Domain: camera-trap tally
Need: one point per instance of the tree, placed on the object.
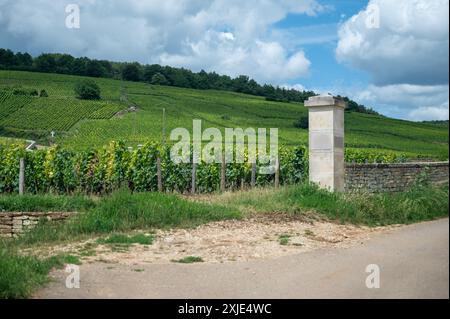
(159, 79)
(302, 122)
(94, 68)
(45, 63)
(150, 71)
(43, 93)
(87, 90)
(23, 59)
(64, 63)
(6, 57)
(79, 66)
(131, 72)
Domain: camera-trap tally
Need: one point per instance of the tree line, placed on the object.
(155, 74)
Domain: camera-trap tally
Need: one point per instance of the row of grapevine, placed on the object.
(106, 111)
(51, 114)
(354, 155)
(10, 103)
(101, 171)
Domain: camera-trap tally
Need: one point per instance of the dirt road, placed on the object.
(413, 262)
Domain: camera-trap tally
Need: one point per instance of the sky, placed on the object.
(390, 55)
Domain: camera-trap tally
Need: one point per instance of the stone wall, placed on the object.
(393, 177)
(14, 224)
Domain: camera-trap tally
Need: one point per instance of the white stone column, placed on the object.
(326, 141)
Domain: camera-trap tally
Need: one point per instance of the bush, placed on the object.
(87, 90)
(302, 122)
(43, 93)
(25, 92)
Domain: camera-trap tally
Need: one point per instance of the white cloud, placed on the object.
(411, 44)
(429, 113)
(407, 101)
(230, 36)
(407, 57)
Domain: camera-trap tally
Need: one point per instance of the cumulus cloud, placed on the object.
(228, 36)
(407, 101)
(410, 44)
(404, 46)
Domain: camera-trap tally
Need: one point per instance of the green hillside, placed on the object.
(80, 124)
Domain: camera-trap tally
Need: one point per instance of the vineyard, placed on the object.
(83, 125)
(99, 171)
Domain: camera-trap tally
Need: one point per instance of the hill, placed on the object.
(132, 111)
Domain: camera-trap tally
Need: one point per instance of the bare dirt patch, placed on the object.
(255, 237)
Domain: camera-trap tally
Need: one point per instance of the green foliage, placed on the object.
(131, 72)
(44, 203)
(159, 79)
(104, 170)
(420, 203)
(124, 211)
(20, 275)
(43, 93)
(87, 90)
(373, 156)
(87, 127)
(302, 122)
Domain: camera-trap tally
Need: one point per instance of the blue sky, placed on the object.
(318, 36)
(389, 55)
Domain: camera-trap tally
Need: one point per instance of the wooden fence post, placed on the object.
(21, 176)
(277, 173)
(222, 174)
(194, 175)
(158, 167)
(253, 181)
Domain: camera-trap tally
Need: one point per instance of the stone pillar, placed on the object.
(326, 141)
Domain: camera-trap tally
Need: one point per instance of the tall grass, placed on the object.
(20, 275)
(121, 211)
(124, 211)
(45, 203)
(417, 204)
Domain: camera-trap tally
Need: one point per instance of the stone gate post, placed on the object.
(326, 141)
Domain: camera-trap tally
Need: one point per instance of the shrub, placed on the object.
(87, 90)
(43, 93)
(25, 92)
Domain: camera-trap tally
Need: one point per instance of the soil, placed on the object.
(257, 237)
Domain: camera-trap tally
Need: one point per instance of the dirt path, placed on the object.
(260, 237)
(413, 263)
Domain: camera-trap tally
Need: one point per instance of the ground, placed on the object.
(248, 259)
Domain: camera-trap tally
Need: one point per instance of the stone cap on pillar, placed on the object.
(325, 100)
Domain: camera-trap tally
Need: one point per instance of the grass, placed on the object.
(123, 211)
(418, 204)
(45, 203)
(284, 239)
(140, 239)
(87, 124)
(20, 275)
(189, 260)
(119, 212)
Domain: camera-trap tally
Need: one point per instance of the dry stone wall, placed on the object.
(393, 177)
